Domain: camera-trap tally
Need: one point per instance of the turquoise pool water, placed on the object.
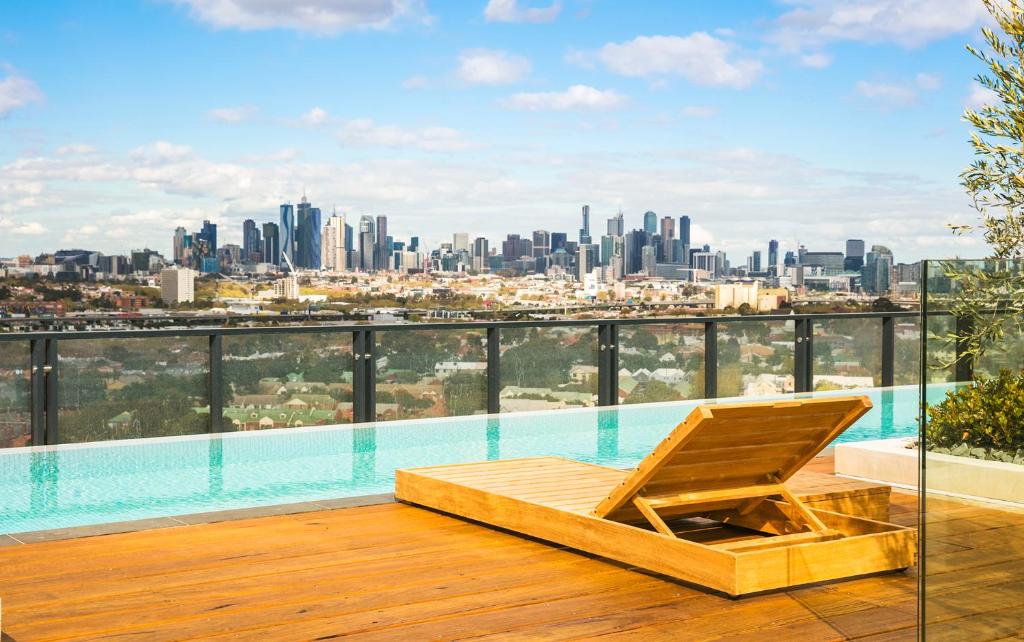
(77, 485)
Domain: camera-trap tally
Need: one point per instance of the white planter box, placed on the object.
(889, 461)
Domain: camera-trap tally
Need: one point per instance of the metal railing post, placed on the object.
(37, 387)
(607, 364)
(216, 383)
(888, 351)
(710, 359)
(803, 355)
(493, 369)
(52, 372)
(964, 364)
(364, 377)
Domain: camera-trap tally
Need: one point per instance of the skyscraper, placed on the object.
(684, 230)
(559, 241)
(584, 261)
(616, 225)
(178, 252)
(854, 255)
(380, 246)
(460, 242)
(650, 222)
(366, 243)
(307, 233)
(773, 254)
(332, 242)
(250, 239)
(877, 271)
(755, 263)
(480, 254)
(286, 230)
(541, 243)
(585, 229)
(271, 243)
(668, 235)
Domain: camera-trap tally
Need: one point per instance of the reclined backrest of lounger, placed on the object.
(725, 456)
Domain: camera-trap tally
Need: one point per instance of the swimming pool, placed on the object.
(83, 484)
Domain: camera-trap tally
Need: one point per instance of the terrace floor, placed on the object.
(395, 572)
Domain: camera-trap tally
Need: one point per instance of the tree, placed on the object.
(991, 296)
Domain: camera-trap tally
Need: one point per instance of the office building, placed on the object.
(617, 225)
(650, 222)
(271, 243)
(460, 242)
(668, 235)
(830, 262)
(559, 241)
(773, 254)
(177, 285)
(252, 244)
(876, 276)
(585, 228)
(366, 243)
(854, 255)
(755, 261)
(178, 252)
(381, 249)
(333, 255)
(286, 229)
(541, 243)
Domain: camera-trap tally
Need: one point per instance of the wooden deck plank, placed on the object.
(397, 572)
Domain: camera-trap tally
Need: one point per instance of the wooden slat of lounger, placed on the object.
(671, 466)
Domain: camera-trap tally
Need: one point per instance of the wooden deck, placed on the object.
(394, 572)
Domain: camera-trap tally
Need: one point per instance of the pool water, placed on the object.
(82, 484)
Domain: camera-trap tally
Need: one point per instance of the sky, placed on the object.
(806, 121)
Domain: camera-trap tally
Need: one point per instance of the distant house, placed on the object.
(582, 373)
(444, 369)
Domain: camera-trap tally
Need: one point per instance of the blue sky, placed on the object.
(810, 121)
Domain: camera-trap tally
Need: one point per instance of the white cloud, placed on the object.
(322, 17)
(577, 97)
(315, 117)
(510, 11)
(979, 96)
(491, 67)
(232, 115)
(909, 23)
(17, 91)
(700, 111)
(886, 93)
(928, 82)
(816, 60)
(32, 228)
(75, 149)
(700, 58)
(366, 133)
(890, 94)
(414, 82)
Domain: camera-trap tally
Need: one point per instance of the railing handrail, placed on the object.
(359, 326)
(45, 370)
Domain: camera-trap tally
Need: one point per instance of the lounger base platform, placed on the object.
(736, 552)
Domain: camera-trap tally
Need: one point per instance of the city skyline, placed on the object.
(451, 116)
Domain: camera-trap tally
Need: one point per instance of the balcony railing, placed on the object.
(61, 387)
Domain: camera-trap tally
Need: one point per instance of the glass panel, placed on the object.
(431, 373)
(663, 362)
(129, 388)
(907, 349)
(847, 354)
(755, 358)
(15, 395)
(973, 438)
(548, 368)
(287, 380)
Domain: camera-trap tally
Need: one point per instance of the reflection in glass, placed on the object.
(431, 373)
(130, 388)
(548, 368)
(287, 380)
(15, 399)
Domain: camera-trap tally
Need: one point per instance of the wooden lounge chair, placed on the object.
(708, 506)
